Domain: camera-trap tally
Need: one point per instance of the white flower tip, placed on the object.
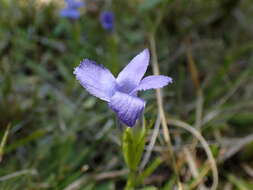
(170, 80)
(75, 70)
(146, 51)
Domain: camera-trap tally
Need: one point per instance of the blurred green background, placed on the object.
(60, 137)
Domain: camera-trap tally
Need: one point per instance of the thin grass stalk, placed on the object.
(159, 99)
(205, 145)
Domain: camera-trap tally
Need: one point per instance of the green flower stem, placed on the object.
(112, 55)
(131, 181)
(77, 32)
(133, 143)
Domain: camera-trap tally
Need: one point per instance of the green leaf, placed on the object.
(133, 146)
(127, 147)
(106, 186)
(139, 138)
(151, 168)
(240, 183)
(149, 188)
(169, 185)
(34, 136)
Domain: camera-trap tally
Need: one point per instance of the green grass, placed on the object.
(60, 135)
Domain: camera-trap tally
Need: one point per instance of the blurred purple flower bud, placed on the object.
(121, 92)
(107, 20)
(74, 4)
(71, 10)
(70, 13)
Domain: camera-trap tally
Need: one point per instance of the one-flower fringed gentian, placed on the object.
(107, 20)
(121, 92)
(71, 10)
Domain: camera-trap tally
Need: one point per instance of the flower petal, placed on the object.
(128, 108)
(131, 75)
(153, 82)
(96, 79)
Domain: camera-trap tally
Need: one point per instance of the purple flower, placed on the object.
(71, 10)
(70, 13)
(121, 93)
(107, 20)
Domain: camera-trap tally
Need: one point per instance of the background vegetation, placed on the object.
(60, 137)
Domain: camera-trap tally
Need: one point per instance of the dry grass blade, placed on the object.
(98, 177)
(248, 169)
(205, 145)
(191, 162)
(233, 148)
(193, 69)
(158, 91)
(198, 118)
(19, 173)
(3, 142)
(215, 110)
(237, 85)
(194, 170)
(110, 175)
(199, 178)
(161, 110)
(77, 183)
(199, 109)
(152, 143)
